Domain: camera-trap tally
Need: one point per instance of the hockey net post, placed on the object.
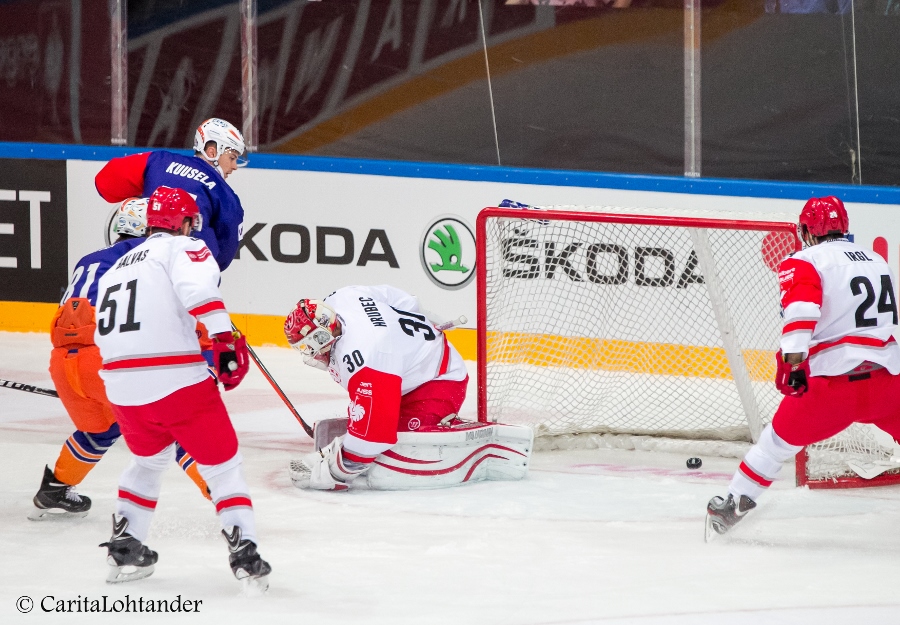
(644, 324)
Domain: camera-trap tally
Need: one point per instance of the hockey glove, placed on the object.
(791, 380)
(231, 358)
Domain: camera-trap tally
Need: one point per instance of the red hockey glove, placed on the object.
(791, 380)
(231, 358)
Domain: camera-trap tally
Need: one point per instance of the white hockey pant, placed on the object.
(761, 465)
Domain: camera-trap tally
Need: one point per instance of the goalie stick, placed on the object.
(28, 388)
(278, 391)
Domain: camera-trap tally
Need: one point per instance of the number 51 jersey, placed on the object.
(148, 305)
(383, 330)
(839, 306)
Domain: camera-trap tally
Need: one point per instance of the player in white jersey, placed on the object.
(159, 387)
(837, 350)
(402, 375)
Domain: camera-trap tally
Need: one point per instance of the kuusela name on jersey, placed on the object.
(191, 173)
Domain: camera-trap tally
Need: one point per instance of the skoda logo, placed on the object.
(448, 253)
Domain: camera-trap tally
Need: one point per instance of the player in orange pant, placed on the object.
(74, 365)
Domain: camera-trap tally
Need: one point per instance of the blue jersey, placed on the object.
(89, 269)
(220, 208)
(223, 215)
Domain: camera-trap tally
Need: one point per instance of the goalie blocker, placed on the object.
(406, 383)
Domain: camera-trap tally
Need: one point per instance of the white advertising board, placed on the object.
(307, 233)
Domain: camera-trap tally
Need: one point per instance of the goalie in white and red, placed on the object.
(406, 383)
(838, 363)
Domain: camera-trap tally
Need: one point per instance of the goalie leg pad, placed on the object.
(442, 457)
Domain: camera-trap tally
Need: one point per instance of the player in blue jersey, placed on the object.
(74, 366)
(218, 145)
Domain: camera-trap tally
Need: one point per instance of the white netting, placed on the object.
(625, 328)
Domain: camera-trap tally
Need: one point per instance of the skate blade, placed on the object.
(122, 574)
(54, 514)
(254, 586)
(711, 533)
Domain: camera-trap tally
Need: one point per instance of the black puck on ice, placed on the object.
(694, 463)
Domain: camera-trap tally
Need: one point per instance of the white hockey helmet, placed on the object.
(224, 134)
(131, 217)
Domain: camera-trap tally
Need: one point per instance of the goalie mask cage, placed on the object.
(641, 324)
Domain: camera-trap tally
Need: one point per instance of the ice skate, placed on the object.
(128, 558)
(56, 500)
(246, 564)
(723, 514)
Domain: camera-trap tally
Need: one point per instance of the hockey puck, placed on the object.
(694, 463)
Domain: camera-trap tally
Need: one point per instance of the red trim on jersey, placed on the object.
(207, 307)
(122, 178)
(445, 360)
(233, 502)
(395, 456)
(800, 282)
(864, 341)
(146, 503)
(154, 361)
(375, 408)
(753, 475)
(793, 326)
(198, 256)
(352, 457)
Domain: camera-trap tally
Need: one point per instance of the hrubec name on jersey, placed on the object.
(372, 312)
(858, 256)
(130, 259)
(180, 169)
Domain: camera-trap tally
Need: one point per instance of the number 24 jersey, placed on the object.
(840, 307)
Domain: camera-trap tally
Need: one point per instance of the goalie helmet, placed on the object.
(169, 207)
(225, 135)
(822, 216)
(131, 217)
(310, 330)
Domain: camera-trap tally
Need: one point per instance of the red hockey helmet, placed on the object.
(169, 207)
(310, 329)
(824, 215)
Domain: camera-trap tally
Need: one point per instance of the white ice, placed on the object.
(591, 536)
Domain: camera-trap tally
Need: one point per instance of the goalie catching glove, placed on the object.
(231, 358)
(792, 380)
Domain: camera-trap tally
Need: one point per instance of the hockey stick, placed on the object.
(449, 325)
(28, 388)
(284, 398)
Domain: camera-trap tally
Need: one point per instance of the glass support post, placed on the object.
(118, 84)
(692, 94)
(249, 76)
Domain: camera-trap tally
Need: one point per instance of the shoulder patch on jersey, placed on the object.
(198, 256)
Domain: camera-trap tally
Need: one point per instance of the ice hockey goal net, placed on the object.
(625, 323)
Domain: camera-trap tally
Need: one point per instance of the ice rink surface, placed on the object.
(591, 536)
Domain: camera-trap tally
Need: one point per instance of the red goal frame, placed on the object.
(553, 215)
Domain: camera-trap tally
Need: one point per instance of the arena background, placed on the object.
(372, 122)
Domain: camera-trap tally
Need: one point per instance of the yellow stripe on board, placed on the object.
(545, 350)
(260, 329)
(540, 350)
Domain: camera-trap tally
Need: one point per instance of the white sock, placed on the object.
(761, 465)
(231, 495)
(139, 487)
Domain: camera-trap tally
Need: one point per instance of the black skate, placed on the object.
(723, 514)
(246, 563)
(55, 500)
(128, 558)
